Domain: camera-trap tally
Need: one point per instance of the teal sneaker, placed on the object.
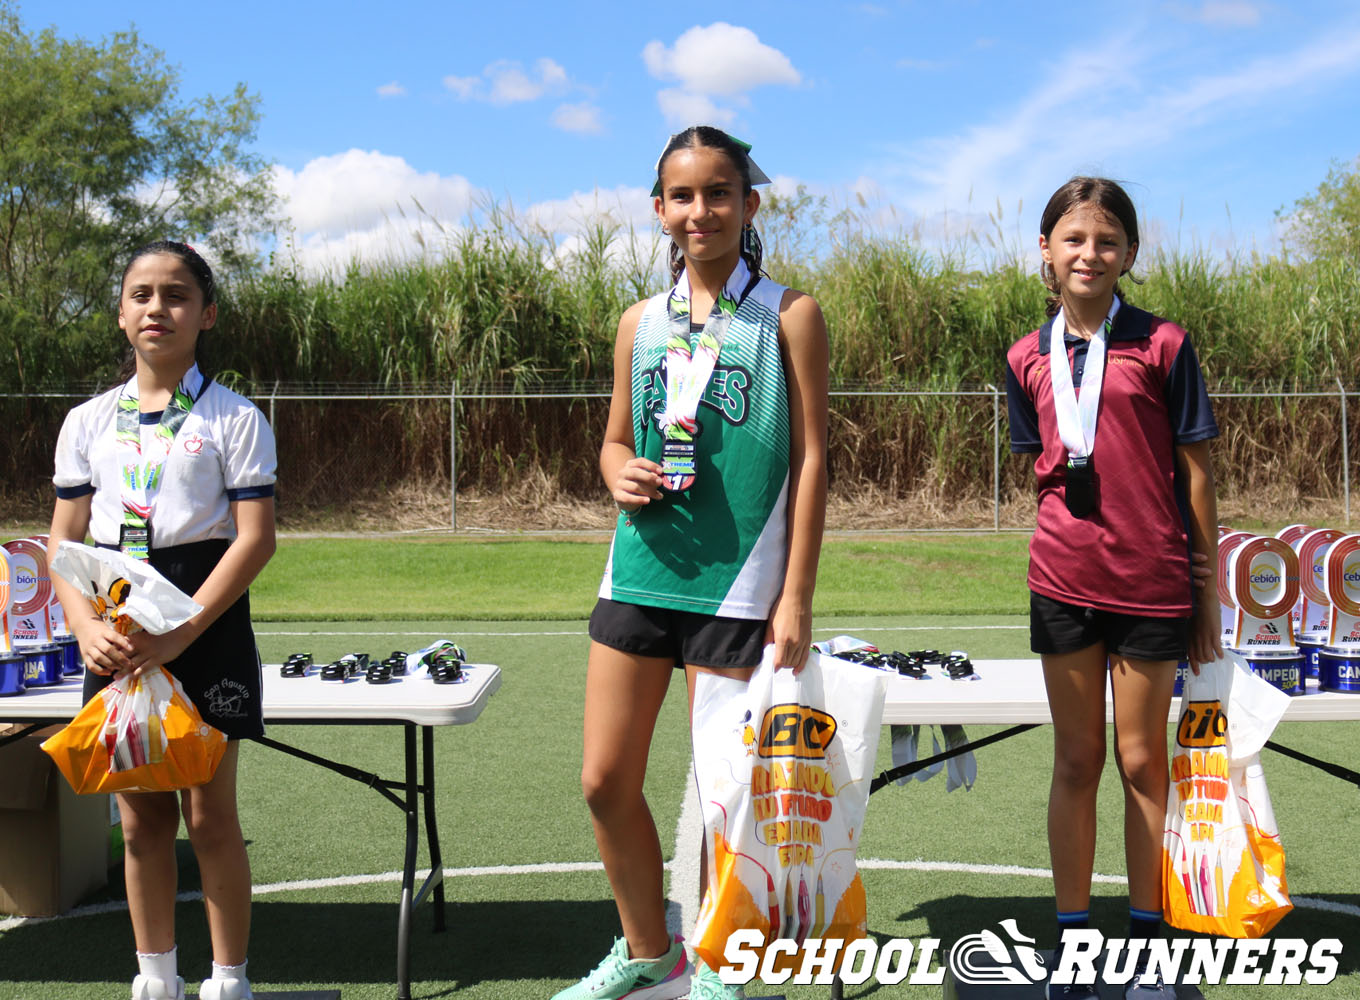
(618, 976)
(708, 985)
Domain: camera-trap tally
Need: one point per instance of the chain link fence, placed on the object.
(357, 434)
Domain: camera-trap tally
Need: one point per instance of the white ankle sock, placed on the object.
(163, 965)
(224, 972)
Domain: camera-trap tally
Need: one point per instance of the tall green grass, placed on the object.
(500, 304)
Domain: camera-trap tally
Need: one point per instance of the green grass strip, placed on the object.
(422, 579)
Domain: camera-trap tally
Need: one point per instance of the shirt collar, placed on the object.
(1130, 323)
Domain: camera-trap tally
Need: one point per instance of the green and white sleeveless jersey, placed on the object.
(719, 547)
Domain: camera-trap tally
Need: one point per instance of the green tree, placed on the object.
(1326, 223)
(99, 155)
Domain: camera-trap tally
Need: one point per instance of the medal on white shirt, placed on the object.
(1077, 417)
(689, 366)
(141, 476)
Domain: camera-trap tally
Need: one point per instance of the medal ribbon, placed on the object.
(142, 479)
(689, 365)
(1077, 417)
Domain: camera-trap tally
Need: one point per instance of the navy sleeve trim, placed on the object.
(74, 492)
(1187, 399)
(1023, 418)
(1203, 434)
(251, 492)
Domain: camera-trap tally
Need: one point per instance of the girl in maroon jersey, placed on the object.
(1121, 423)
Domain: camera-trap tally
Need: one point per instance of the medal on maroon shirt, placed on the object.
(1077, 416)
(688, 370)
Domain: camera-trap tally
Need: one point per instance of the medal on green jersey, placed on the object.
(689, 366)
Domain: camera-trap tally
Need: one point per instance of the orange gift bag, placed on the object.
(139, 734)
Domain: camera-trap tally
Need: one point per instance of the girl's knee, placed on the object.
(148, 825)
(211, 825)
(606, 790)
(1143, 768)
(1079, 765)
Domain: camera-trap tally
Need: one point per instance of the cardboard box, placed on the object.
(54, 844)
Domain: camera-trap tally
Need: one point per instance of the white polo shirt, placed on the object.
(224, 451)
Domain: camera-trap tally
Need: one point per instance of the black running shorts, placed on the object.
(680, 636)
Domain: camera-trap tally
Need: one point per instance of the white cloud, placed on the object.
(393, 89)
(506, 81)
(721, 60)
(1025, 152)
(370, 205)
(580, 118)
(366, 207)
(625, 206)
(682, 109)
(466, 87)
(715, 68)
(1223, 13)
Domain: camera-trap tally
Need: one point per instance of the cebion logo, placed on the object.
(1202, 725)
(795, 731)
(1351, 574)
(25, 579)
(1264, 578)
(1018, 964)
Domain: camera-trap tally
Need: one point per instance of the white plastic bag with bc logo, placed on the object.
(783, 766)
(1222, 860)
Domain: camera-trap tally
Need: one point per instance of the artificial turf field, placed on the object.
(530, 909)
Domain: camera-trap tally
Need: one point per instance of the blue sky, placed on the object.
(1216, 113)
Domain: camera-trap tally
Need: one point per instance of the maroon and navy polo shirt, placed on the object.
(1132, 554)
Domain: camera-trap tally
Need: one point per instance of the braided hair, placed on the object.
(694, 137)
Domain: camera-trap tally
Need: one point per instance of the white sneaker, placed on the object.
(225, 989)
(155, 988)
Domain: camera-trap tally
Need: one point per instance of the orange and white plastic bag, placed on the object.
(139, 734)
(783, 766)
(1222, 860)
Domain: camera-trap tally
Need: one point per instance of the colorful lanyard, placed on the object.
(689, 366)
(142, 479)
(1077, 417)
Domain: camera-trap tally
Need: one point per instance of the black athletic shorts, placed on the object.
(681, 636)
(1056, 627)
(220, 671)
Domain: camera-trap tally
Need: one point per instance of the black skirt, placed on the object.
(220, 671)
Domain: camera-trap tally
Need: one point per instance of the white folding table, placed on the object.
(1012, 692)
(413, 702)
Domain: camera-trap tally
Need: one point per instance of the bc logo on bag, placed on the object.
(795, 731)
(783, 765)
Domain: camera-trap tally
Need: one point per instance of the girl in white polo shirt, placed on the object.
(178, 470)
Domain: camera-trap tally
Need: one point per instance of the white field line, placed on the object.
(556, 868)
(682, 902)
